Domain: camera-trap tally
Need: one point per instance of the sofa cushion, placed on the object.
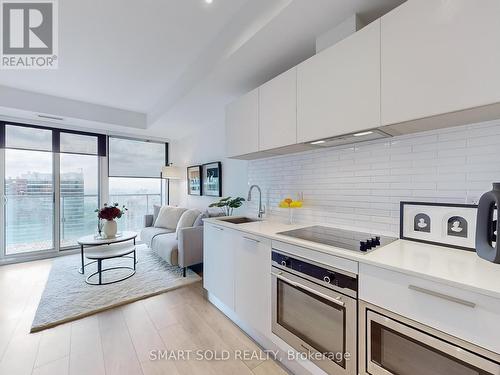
(169, 217)
(148, 233)
(187, 220)
(166, 247)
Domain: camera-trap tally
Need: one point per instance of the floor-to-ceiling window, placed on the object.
(29, 201)
(79, 186)
(28, 190)
(51, 188)
(53, 183)
(134, 178)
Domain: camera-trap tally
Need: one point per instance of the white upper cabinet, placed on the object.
(278, 111)
(242, 125)
(338, 90)
(439, 56)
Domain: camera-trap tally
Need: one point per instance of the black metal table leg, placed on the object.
(99, 270)
(83, 265)
(134, 259)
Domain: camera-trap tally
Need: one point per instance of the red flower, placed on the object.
(110, 212)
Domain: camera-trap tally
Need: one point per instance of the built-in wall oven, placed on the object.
(314, 310)
(394, 345)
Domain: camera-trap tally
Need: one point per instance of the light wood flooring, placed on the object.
(117, 341)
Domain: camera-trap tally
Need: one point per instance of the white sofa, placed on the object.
(179, 245)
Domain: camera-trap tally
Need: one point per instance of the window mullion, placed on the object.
(57, 200)
(103, 180)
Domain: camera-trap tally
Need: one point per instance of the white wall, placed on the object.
(361, 185)
(204, 147)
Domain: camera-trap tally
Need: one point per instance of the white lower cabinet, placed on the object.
(218, 262)
(236, 271)
(252, 272)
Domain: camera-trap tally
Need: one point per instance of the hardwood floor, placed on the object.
(117, 341)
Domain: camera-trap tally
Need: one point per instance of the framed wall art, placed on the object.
(212, 179)
(452, 225)
(194, 180)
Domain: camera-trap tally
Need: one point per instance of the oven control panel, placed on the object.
(314, 271)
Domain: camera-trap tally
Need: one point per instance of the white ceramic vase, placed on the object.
(109, 228)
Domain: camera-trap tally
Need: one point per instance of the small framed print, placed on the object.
(212, 179)
(452, 225)
(194, 180)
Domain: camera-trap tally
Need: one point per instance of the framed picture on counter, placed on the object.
(444, 224)
(194, 180)
(212, 179)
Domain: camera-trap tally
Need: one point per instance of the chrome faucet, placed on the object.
(262, 209)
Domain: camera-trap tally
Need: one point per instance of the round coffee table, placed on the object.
(103, 252)
(87, 242)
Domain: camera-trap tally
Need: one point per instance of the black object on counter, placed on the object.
(487, 246)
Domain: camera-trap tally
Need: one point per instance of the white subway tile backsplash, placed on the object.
(363, 184)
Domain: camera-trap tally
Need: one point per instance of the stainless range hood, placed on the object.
(368, 135)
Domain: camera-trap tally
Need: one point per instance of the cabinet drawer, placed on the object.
(469, 316)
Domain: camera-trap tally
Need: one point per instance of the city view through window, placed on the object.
(43, 164)
(139, 195)
(29, 190)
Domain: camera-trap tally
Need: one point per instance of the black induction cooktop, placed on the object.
(348, 240)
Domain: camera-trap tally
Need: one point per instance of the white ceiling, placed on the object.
(179, 61)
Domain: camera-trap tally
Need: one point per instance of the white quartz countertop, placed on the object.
(459, 268)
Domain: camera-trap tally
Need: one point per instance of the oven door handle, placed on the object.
(310, 290)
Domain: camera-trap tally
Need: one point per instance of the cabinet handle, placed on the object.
(251, 239)
(218, 228)
(442, 296)
(337, 300)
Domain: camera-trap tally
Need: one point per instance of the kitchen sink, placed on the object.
(239, 220)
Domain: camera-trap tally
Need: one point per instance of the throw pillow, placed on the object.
(169, 217)
(214, 212)
(187, 220)
(199, 220)
(156, 212)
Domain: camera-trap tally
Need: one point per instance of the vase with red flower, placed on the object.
(108, 214)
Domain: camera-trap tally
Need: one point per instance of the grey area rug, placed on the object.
(68, 297)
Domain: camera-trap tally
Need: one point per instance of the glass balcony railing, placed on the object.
(29, 223)
(138, 205)
(78, 217)
(29, 218)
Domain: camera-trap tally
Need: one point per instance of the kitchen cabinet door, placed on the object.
(278, 111)
(338, 90)
(253, 282)
(242, 125)
(218, 263)
(439, 56)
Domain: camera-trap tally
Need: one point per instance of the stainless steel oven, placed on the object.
(393, 345)
(315, 311)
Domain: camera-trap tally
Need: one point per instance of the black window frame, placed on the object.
(56, 134)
